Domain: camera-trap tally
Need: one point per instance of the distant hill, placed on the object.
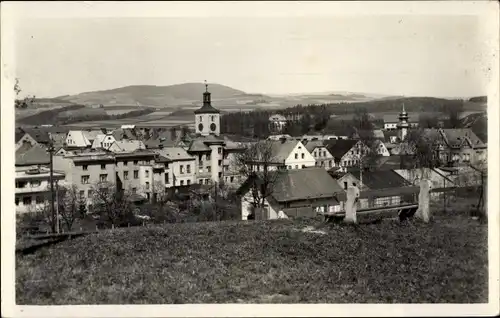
(157, 96)
(478, 123)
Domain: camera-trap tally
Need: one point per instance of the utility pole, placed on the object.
(52, 209)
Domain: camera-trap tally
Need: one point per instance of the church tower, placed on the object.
(403, 124)
(207, 118)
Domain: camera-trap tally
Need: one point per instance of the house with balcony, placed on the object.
(32, 191)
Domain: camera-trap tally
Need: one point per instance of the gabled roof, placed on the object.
(35, 155)
(301, 184)
(92, 134)
(127, 145)
(281, 149)
(40, 135)
(382, 179)
(313, 144)
(338, 148)
(458, 137)
(175, 153)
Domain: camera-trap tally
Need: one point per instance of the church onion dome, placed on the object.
(207, 107)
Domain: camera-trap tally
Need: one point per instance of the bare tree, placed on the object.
(24, 102)
(69, 202)
(258, 165)
(113, 206)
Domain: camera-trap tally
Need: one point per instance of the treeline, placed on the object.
(47, 116)
(312, 118)
(55, 117)
(94, 117)
(479, 99)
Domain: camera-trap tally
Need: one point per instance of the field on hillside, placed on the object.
(263, 262)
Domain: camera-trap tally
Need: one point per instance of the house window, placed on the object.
(17, 201)
(212, 118)
(147, 185)
(181, 168)
(330, 163)
(354, 184)
(220, 175)
(27, 200)
(90, 193)
(85, 167)
(39, 199)
(136, 174)
(303, 166)
(103, 177)
(35, 183)
(345, 185)
(231, 179)
(20, 184)
(182, 182)
(85, 179)
(302, 155)
(82, 193)
(188, 182)
(125, 163)
(125, 175)
(315, 154)
(290, 167)
(188, 168)
(147, 173)
(296, 166)
(136, 162)
(296, 156)
(206, 181)
(103, 167)
(209, 169)
(219, 150)
(220, 163)
(167, 178)
(208, 157)
(134, 190)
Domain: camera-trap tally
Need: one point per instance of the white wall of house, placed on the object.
(382, 149)
(299, 158)
(184, 171)
(351, 158)
(323, 157)
(391, 126)
(103, 141)
(32, 192)
(246, 207)
(76, 138)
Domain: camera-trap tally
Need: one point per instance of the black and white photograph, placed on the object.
(253, 153)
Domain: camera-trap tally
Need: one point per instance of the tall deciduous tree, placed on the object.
(259, 167)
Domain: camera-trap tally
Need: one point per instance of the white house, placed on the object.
(33, 187)
(277, 122)
(346, 153)
(289, 154)
(103, 141)
(381, 148)
(81, 139)
(320, 153)
(182, 168)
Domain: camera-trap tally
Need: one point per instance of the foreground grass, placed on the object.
(259, 262)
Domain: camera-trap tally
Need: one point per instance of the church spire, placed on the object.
(206, 96)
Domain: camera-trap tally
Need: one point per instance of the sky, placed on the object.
(420, 55)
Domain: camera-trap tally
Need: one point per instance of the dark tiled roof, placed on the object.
(302, 184)
(40, 135)
(382, 179)
(207, 109)
(35, 155)
(338, 148)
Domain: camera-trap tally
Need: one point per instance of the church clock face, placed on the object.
(200, 126)
(213, 126)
